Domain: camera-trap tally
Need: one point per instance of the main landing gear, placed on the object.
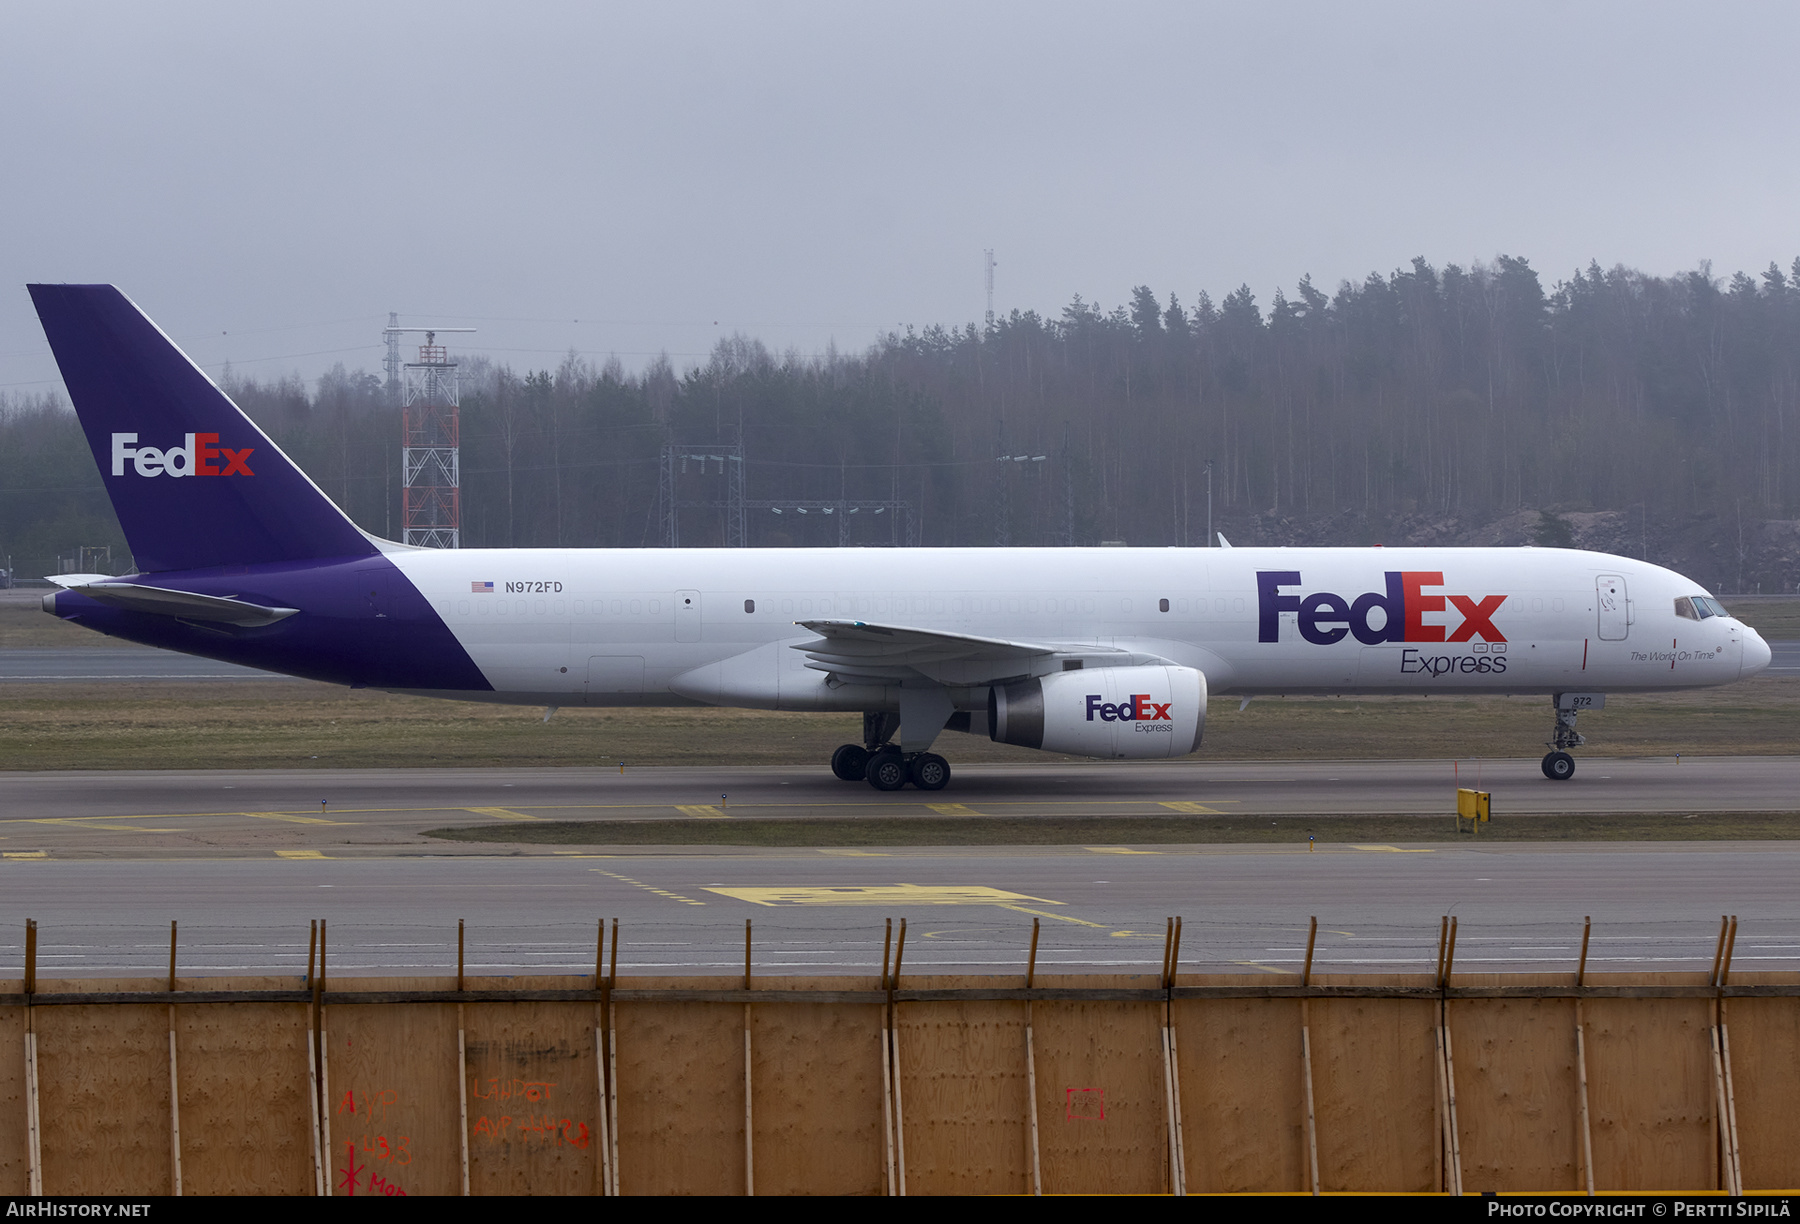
(1558, 765)
(882, 765)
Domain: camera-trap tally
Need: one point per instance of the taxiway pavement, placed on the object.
(1519, 908)
(382, 812)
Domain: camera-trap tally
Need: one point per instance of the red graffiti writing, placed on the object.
(535, 1091)
(373, 1105)
(354, 1176)
(1085, 1105)
(377, 1147)
(542, 1128)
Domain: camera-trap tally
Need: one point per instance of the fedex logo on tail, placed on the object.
(200, 455)
(1325, 618)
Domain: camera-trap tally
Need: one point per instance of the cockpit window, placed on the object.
(1703, 607)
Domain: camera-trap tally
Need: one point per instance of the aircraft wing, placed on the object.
(185, 605)
(858, 650)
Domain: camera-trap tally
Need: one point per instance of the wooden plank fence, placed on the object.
(902, 1083)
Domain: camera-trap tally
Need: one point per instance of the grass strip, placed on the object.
(1131, 830)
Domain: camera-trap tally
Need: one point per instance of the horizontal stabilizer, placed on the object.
(160, 601)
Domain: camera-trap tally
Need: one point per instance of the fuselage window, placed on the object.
(1704, 607)
(462, 607)
(1684, 608)
(749, 605)
(1162, 605)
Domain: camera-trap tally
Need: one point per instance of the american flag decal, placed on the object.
(481, 588)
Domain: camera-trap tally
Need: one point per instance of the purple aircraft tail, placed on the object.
(195, 483)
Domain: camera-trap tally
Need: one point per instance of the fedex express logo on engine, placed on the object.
(1136, 708)
(201, 455)
(1325, 618)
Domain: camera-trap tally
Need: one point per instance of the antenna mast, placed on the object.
(989, 254)
(430, 439)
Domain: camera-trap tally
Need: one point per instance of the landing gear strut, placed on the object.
(882, 764)
(1558, 765)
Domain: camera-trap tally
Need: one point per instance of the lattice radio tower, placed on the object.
(430, 440)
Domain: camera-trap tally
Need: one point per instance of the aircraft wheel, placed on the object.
(1559, 766)
(850, 762)
(886, 771)
(930, 772)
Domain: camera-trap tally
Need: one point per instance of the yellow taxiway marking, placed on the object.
(23, 854)
(1264, 968)
(1117, 850)
(649, 888)
(1391, 849)
(1099, 926)
(952, 809)
(701, 811)
(300, 854)
(502, 813)
(292, 819)
(82, 822)
(1191, 808)
(882, 894)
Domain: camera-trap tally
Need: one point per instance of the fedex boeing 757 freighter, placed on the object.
(1098, 652)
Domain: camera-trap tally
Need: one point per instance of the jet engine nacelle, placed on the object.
(1135, 712)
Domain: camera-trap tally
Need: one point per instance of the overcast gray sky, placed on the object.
(267, 182)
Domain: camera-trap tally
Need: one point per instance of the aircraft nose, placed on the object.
(1757, 654)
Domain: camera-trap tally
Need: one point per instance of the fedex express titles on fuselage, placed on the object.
(1105, 652)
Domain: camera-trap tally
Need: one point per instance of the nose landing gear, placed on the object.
(1558, 765)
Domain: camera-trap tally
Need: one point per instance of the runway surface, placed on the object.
(384, 812)
(968, 911)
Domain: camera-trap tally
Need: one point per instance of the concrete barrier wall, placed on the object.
(419, 1085)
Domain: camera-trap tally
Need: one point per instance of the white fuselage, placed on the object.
(654, 627)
